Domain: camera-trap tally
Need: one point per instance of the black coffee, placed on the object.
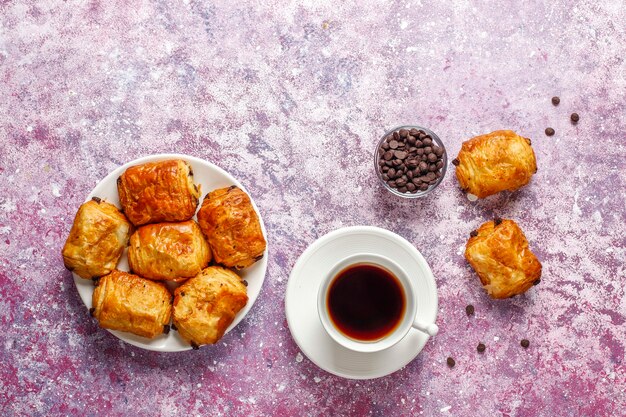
(365, 302)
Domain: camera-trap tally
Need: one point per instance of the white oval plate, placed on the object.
(301, 301)
(210, 177)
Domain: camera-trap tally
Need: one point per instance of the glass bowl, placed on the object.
(417, 193)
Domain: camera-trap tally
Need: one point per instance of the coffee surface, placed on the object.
(365, 302)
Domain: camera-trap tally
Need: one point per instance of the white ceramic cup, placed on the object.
(408, 320)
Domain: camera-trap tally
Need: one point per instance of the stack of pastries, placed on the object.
(165, 244)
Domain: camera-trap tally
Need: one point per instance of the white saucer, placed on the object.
(301, 301)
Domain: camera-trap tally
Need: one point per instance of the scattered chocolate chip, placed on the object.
(480, 348)
(497, 221)
(469, 310)
(92, 310)
(451, 362)
(549, 131)
(166, 329)
(537, 282)
(556, 100)
(96, 199)
(455, 162)
(173, 327)
(474, 233)
(119, 180)
(525, 343)
(194, 346)
(244, 282)
(575, 117)
(182, 293)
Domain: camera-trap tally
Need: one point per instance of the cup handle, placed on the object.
(430, 329)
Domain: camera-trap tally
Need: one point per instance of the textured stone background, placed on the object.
(291, 98)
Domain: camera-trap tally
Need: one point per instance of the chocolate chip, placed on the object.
(396, 162)
(455, 162)
(481, 347)
(388, 155)
(400, 182)
(497, 221)
(427, 141)
(403, 189)
(385, 177)
(92, 311)
(403, 133)
(556, 100)
(245, 283)
(182, 293)
(166, 329)
(537, 282)
(385, 146)
(431, 176)
(423, 166)
(432, 157)
(411, 140)
(393, 144)
(194, 346)
(474, 233)
(410, 186)
(469, 310)
(395, 136)
(549, 131)
(423, 187)
(414, 131)
(173, 327)
(525, 343)
(96, 199)
(450, 362)
(432, 168)
(575, 117)
(400, 154)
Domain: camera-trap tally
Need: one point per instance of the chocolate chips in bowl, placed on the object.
(410, 161)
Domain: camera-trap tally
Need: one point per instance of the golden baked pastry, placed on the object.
(498, 161)
(499, 253)
(232, 227)
(206, 305)
(158, 192)
(97, 239)
(127, 302)
(168, 251)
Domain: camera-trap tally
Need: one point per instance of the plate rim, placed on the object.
(318, 244)
(159, 157)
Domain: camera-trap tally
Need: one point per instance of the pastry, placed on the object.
(498, 161)
(168, 251)
(97, 239)
(206, 305)
(499, 253)
(232, 227)
(158, 192)
(126, 302)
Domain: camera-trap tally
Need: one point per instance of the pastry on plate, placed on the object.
(207, 304)
(158, 192)
(499, 253)
(498, 161)
(232, 227)
(97, 239)
(129, 303)
(168, 251)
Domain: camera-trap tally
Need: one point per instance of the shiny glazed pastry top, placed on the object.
(158, 192)
(498, 161)
(168, 251)
(232, 227)
(499, 253)
(207, 304)
(97, 239)
(126, 302)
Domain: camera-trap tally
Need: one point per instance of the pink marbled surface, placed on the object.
(291, 99)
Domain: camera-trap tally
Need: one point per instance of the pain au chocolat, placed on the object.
(168, 251)
(97, 239)
(129, 303)
(232, 227)
(156, 192)
(499, 253)
(498, 161)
